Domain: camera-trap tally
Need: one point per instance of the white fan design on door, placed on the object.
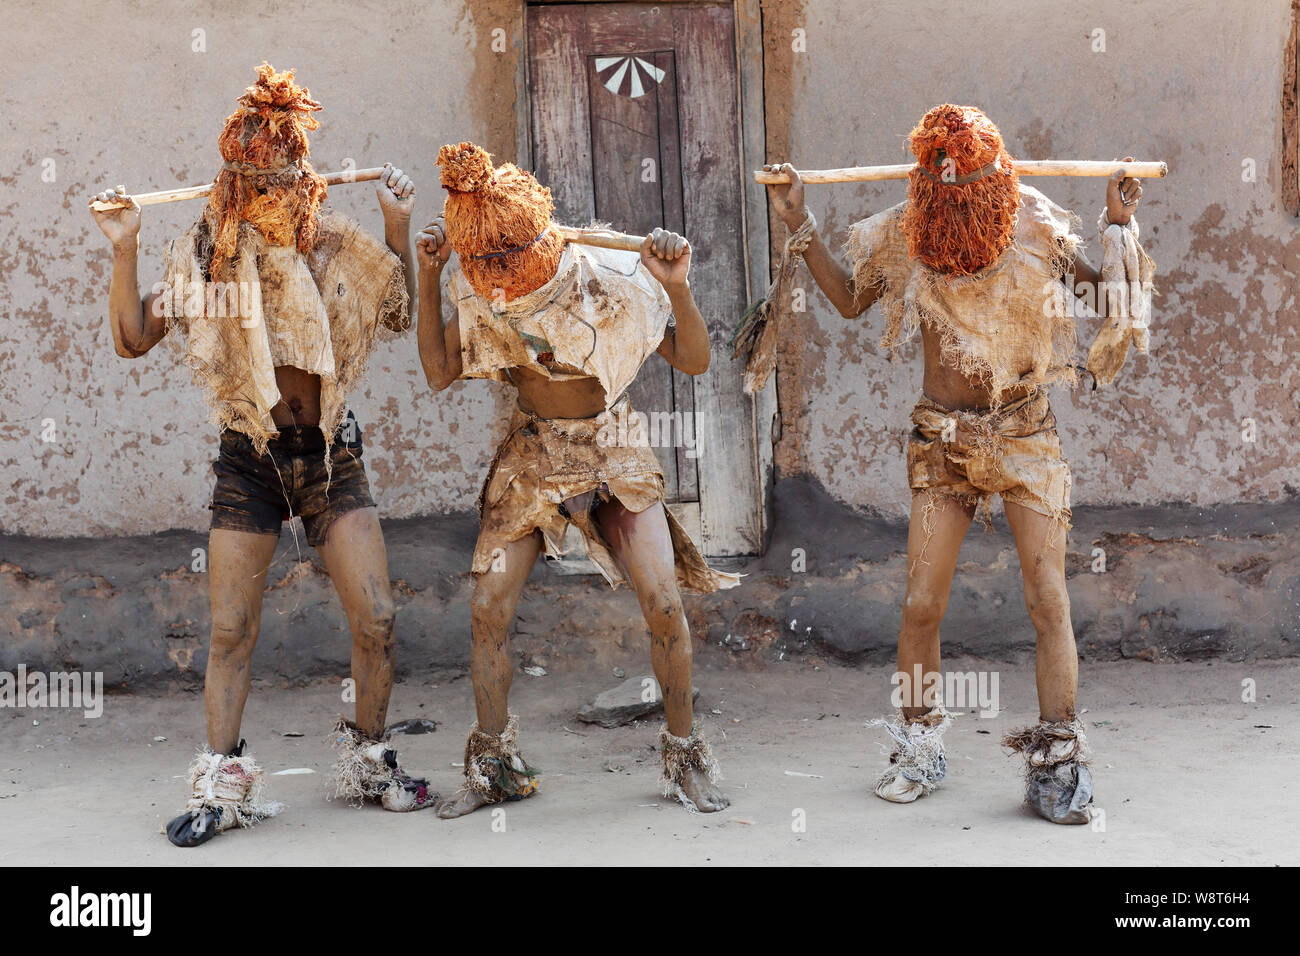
(631, 69)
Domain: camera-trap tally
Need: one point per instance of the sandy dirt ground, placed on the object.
(1186, 773)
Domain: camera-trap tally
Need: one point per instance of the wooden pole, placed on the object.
(198, 192)
(1028, 167)
(605, 238)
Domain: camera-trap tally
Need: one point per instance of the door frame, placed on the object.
(751, 147)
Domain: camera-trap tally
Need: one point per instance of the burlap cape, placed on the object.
(1011, 316)
(320, 313)
(602, 315)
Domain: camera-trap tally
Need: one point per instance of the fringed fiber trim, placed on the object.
(360, 771)
(918, 754)
(1050, 743)
(495, 768)
(681, 754)
(230, 787)
(756, 335)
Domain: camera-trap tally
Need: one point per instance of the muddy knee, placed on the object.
(1047, 601)
(665, 616)
(234, 632)
(489, 609)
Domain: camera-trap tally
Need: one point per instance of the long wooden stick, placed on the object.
(1027, 167)
(198, 192)
(605, 238)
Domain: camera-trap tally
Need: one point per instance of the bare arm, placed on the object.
(1087, 279)
(137, 327)
(439, 343)
(667, 256)
(396, 194)
(835, 281)
(831, 277)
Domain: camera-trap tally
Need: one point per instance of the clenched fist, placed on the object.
(396, 193)
(667, 256)
(431, 245)
(1122, 195)
(121, 226)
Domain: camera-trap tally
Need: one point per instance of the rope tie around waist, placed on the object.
(533, 417)
(985, 426)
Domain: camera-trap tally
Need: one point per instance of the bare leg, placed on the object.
(492, 609)
(643, 546)
(938, 525)
(357, 562)
(237, 564)
(1040, 542)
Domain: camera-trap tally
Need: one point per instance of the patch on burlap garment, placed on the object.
(320, 313)
(1010, 317)
(601, 317)
(1013, 451)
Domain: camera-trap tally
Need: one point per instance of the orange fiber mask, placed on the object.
(963, 194)
(264, 143)
(499, 223)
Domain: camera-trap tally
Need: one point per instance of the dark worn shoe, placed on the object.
(193, 827)
(1058, 781)
(1062, 794)
(225, 792)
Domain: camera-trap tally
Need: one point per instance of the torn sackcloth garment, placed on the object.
(494, 766)
(680, 756)
(601, 316)
(552, 472)
(1126, 284)
(225, 792)
(1013, 451)
(918, 761)
(1006, 324)
(1058, 781)
(759, 329)
(366, 768)
(320, 313)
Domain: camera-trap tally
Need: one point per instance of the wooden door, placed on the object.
(635, 122)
